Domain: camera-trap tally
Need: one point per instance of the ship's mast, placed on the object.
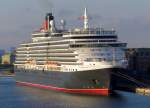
(86, 26)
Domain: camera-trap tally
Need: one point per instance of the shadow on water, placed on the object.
(60, 99)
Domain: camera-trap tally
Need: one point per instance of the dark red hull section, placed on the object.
(80, 91)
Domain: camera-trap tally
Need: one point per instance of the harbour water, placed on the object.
(13, 96)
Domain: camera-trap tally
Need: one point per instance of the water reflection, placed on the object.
(12, 96)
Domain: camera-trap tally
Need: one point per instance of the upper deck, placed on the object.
(76, 32)
(91, 31)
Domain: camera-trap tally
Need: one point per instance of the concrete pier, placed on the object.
(143, 91)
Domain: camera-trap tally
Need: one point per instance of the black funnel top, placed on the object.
(49, 16)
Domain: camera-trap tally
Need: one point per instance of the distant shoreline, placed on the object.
(1, 75)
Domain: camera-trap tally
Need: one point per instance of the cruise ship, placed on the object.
(79, 60)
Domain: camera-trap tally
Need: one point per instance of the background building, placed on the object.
(139, 59)
(2, 52)
(7, 58)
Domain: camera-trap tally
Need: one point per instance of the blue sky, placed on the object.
(131, 18)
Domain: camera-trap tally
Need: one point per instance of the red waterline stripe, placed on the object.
(81, 91)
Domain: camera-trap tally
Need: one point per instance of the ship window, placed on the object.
(96, 45)
(93, 37)
(92, 49)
